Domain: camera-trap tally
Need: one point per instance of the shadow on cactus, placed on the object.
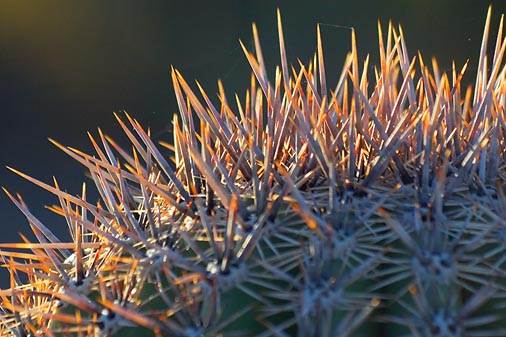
(299, 210)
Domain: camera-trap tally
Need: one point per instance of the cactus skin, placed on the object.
(306, 212)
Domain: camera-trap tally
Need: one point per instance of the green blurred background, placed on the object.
(66, 66)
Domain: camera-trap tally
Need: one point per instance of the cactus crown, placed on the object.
(298, 210)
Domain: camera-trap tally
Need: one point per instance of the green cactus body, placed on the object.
(304, 211)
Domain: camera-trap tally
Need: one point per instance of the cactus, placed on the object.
(300, 210)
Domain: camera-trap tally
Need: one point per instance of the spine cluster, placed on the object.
(298, 210)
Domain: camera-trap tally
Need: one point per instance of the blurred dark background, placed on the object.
(66, 66)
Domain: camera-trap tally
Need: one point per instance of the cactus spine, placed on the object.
(298, 211)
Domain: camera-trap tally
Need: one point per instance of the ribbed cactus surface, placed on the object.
(375, 208)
